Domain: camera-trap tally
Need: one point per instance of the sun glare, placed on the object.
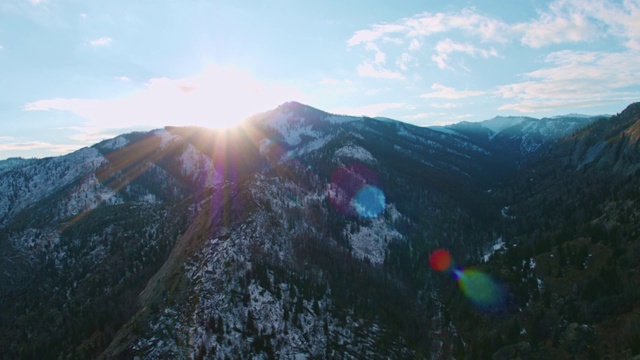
(218, 97)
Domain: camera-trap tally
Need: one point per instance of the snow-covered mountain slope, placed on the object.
(273, 229)
(522, 135)
(296, 234)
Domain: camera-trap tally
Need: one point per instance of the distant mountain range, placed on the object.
(304, 234)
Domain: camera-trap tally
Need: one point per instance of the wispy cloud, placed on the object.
(447, 46)
(446, 105)
(376, 32)
(576, 79)
(405, 60)
(562, 21)
(38, 145)
(377, 71)
(123, 78)
(444, 92)
(412, 33)
(583, 20)
(101, 41)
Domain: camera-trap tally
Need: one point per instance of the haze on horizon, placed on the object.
(77, 72)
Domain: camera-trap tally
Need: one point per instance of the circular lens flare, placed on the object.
(369, 202)
(440, 260)
(353, 190)
(480, 288)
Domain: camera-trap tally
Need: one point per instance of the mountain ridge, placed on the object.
(303, 233)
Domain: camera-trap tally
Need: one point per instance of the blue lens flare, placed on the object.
(369, 202)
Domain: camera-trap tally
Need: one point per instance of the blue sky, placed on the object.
(74, 72)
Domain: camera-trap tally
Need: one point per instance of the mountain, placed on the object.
(522, 135)
(570, 258)
(304, 234)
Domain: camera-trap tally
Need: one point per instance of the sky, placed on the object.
(75, 72)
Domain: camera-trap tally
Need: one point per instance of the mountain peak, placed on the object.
(500, 123)
(294, 106)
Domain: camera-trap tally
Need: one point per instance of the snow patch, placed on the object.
(355, 152)
(498, 245)
(116, 143)
(291, 129)
(341, 119)
(370, 241)
(199, 167)
(505, 213)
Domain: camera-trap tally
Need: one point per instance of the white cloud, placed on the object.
(448, 46)
(368, 110)
(377, 32)
(576, 79)
(84, 16)
(405, 60)
(414, 45)
(218, 97)
(408, 34)
(379, 57)
(559, 25)
(102, 41)
(584, 20)
(427, 24)
(444, 92)
(123, 78)
(559, 22)
(551, 105)
(376, 71)
(620, 19)
(37, 145)
(446, 106)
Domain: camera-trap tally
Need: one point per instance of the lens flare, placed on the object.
(369, 202)
(354, 190)
(479, 287)
(440, 260)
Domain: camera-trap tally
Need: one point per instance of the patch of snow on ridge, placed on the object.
(291, 129)
(199, 167)
(116, 143)
(355, 152)
(371, 241)
(446, 130)
(24, 186)
(341, 119)
(498, 245)
(88, 195)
